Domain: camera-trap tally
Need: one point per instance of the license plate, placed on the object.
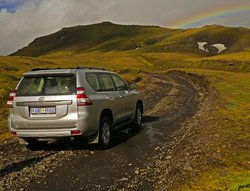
(42, 110)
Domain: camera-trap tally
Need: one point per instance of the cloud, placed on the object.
(10, 5)
(22, 21)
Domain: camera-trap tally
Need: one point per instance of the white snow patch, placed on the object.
(201, 46)
(220, 47)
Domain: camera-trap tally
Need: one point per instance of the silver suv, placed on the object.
(86, 101)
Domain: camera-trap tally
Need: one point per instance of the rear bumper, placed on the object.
(43, 134)
(34, 129)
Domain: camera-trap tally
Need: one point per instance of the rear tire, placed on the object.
(105, 134)
(137, 122)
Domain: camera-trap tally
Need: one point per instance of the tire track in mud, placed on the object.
(169, 100)
(179, 103)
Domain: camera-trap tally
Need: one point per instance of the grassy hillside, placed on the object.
(105, 37)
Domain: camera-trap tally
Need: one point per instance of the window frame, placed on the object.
(127, 87)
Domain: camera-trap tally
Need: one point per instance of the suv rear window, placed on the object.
(47, 85)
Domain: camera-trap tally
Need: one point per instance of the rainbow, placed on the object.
(204, 16)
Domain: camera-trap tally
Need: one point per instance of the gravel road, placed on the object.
(170, 99)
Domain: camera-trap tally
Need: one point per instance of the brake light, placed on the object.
(75, 132)
(82, 98)
(11, 98)
(13, 133)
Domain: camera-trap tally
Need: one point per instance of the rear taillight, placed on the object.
(11, 98)
(82, 98)
(75, 132)
(13, 133)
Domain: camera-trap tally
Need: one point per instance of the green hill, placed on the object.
(104, 37)
(107, 37)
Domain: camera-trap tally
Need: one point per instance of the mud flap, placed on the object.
(94, 139)
(22, 141)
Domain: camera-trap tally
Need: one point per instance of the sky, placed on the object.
(21, 21)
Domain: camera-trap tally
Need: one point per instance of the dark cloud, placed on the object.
(23, 20)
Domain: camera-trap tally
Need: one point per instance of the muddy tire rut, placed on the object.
(170, 99)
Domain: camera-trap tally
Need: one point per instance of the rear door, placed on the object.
(46, 101)
(126, 98)
(107, 88)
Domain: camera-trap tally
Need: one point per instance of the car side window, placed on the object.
(93, 81)
(119, 83)
(106, 82)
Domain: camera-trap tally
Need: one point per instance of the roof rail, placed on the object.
(89, 67)
(78, 67)
(36, 69)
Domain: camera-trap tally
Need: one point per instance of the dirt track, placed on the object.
(170, 100)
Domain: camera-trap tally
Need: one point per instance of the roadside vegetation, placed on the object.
(227, 136)
(227, 73)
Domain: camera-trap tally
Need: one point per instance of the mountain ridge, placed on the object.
(107, 36)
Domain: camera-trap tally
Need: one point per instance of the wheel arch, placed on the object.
(108, 113)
